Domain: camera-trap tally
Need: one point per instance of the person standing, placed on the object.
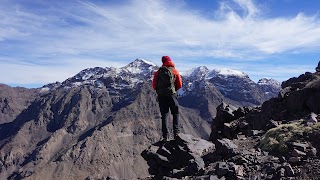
(167, 81)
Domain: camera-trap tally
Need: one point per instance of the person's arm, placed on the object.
(154, 81)
(178, 82)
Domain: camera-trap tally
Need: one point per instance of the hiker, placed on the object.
(166, 82)
(318, 67)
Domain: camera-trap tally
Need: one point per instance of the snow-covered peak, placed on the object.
(200, 71)
(139, 66)
(226, 73)
(112, 78)
(139, 60)
(229, 72)
(266, 81)
(203, 72)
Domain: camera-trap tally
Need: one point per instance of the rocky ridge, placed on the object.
(278, 140)
(234, 85)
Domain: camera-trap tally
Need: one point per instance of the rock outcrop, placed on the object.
(194, 158)
(178, 158)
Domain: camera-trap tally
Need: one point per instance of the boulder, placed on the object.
(226, 121)
(226, 148)
(227, 169)
(178, 158)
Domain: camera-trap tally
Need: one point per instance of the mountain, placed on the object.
(270, 86)
(96, 123)
(231, 86)
(114, 79)
(13, 101)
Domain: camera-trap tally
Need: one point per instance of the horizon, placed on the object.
(146, 61)
(44, 42)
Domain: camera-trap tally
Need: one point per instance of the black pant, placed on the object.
(166, 103)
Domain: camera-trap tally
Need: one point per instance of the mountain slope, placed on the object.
(13, 101)
(235, 87)
(97, 123)
(79, 125)
(271, 87)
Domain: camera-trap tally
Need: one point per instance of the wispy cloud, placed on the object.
(37, 31)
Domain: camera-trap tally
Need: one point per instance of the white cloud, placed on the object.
(142, 28)
(28, 73)
(157, 25)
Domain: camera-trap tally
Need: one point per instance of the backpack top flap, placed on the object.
(165, 81)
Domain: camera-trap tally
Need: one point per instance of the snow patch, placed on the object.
(45, 89)
(230, 72)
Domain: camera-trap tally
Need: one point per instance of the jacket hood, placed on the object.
(168, 64)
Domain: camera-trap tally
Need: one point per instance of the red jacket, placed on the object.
(178, 82)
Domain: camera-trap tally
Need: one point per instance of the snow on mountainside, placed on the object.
(227, 73)
(196, 73)
(110, 77)
(271, 82)
(232, 84)
(270, 86)
(139, 66)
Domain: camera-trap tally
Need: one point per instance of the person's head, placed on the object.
(165, 59)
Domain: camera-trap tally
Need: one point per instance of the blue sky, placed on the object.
(46, 41)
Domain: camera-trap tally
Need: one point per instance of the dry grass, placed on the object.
(277, 139)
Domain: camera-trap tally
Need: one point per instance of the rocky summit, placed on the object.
(104, 123)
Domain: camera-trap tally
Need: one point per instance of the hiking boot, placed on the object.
(165, 139)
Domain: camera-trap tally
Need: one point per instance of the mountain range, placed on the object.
(96, 123)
